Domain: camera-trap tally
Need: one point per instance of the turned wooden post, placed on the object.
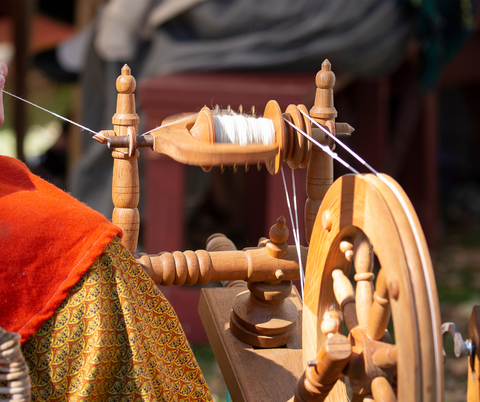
(320, 166)
(125, 184)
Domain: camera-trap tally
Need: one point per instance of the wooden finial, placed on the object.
(279, 232)
(126, 70)
(277, 246)
(325, 78)
(325, 81)
(126, 82)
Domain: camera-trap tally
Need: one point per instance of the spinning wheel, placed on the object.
(357, 214)
(357, 217)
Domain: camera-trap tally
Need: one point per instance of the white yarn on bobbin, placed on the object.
(238, 129)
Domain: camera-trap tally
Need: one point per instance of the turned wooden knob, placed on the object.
(277, 246)
(346, 247)
(126, 82)
(279, 232)
(325, 78)
(323, 107)
(331, 323)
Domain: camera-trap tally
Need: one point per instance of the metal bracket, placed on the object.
(461, 348)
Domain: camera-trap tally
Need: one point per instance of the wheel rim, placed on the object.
(368, 203)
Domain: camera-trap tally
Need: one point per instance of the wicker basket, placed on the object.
(13, 368)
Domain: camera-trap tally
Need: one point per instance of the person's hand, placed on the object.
(3, 74)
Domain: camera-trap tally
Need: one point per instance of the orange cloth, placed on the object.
(48, 240)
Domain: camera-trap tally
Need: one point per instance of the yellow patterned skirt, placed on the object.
(114, 338)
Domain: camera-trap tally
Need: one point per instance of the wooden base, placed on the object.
(250, 374)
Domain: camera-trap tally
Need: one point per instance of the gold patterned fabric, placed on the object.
(114, 338)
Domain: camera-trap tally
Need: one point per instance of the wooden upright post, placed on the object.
(320, 166)
(125, 185)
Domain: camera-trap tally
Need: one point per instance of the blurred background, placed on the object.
(408, 81)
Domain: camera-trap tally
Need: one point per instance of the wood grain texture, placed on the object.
(277, 247)
(350, 202)
(300, 143)
(125, 181)
(361, 370)
(319, 378)
(380, 311)
(363, 264)
(345, 296)
(422, 278)
(320, 165)
(274, 113)
(200, 267)
(406, 284)
(177, 142)
(264, 316)
(267, 375)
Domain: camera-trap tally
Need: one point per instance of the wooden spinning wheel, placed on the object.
(357, 214)
(357, 217)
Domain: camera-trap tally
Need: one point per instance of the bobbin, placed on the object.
(292, 146)
(192, 139)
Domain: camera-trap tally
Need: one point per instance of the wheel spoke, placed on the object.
(345, 296)
(363, 263)
(386, 357)
(382, 390)
(362, 204)
(380, 311)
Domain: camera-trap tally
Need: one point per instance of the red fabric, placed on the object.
(48, 240)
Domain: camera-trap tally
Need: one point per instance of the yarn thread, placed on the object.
(238, 129)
